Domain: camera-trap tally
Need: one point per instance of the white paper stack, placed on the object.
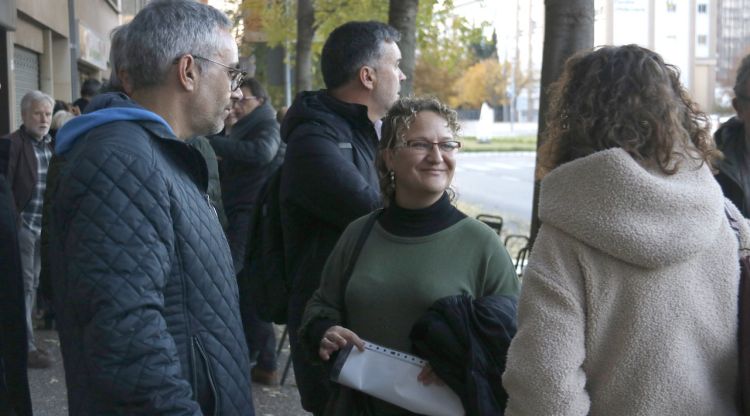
(392, 376)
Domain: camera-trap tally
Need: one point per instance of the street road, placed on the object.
(500, 183)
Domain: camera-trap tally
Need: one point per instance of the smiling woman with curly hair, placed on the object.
(629, 301)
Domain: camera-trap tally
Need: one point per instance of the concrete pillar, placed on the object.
(62, 73)
(46, 65)
(6, 96)
(10, 89)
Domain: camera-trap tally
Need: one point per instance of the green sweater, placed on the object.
(396, 279)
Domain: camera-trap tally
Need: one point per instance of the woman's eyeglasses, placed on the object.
(424, 146)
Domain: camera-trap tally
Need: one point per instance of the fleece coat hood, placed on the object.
(633, 212)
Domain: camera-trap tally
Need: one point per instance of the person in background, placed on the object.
(733, 139)
(89, 89)
(629, 301)
(44, 293)
(203, 145)
(281, 113)
(431, 249)
(145, 291)
(62, 105)
(30, 151)
(58, 120)
(15, 398)
(250, 155)
(229, 122)
(328, 177)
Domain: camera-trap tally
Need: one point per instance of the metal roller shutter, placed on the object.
(26, 75)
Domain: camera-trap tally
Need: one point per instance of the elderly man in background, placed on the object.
(30, 151)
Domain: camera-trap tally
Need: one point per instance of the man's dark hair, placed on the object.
(350, 46)
(90, 87)
(258, 90)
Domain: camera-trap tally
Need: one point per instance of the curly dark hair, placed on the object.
(395, 125)
(626, 97)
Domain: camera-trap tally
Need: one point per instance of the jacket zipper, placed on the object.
(211, 205)
(209, 373)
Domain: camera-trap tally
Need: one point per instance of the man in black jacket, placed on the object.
(328, 176)
(145, 292)
(733, 139)
(249, 155)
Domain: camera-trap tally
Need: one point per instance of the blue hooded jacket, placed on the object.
(144, 288)
(103, 109)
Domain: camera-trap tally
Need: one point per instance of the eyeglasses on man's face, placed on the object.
(235, 74)
(424, 146)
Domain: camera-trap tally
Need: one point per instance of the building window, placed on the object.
(671, 6)
(702, 39)
(702, 8)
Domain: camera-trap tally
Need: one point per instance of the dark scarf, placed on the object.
(420, 222)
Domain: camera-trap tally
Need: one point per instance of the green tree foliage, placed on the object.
(445, 51)
(485, 81)
(447, 44)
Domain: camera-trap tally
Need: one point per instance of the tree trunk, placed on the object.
(568, 28)
(402, 14)
(305, 34)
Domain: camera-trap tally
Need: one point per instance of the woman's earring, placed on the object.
(392, 178)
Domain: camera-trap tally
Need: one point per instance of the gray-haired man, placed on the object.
(28, 160)
(146, 295)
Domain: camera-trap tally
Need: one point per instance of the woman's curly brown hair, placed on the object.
(395, 125)
(626, 97)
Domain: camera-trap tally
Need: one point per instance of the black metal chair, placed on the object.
(523, 253)
(284, 336)
(493, 221)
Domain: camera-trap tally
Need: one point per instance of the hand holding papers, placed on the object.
(392, 376)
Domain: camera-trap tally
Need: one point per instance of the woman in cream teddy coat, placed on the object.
(629, 302)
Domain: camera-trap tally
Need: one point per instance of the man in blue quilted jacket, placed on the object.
(145, 290)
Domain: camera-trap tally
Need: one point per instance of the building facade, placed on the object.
(52, 46)
(684, 32)
(733, 40)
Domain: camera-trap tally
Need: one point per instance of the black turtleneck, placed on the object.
(420, 222)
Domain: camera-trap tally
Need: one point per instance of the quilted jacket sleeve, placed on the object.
(544, 371)
(115, 225)
(323, 181)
